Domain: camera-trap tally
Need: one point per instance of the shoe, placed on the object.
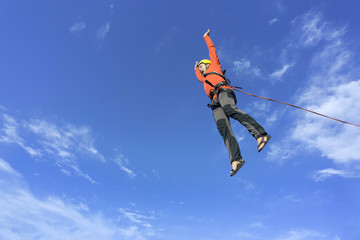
(240, 163)
(263, 141)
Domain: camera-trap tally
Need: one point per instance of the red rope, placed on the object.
(295, 107)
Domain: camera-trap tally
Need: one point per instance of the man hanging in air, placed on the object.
(223, 105)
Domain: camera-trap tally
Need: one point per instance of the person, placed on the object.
(223, 105)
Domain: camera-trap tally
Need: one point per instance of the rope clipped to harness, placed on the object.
(217, 87)
(237, 89)
(227, 81)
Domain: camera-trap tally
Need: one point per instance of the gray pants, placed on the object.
(224, 107)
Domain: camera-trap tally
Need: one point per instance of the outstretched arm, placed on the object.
(212, 50)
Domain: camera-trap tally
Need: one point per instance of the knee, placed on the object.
(229, 109)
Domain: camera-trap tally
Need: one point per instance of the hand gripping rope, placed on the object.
(238, 89)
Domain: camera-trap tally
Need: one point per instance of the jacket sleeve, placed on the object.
(199, 75)
(212, 50)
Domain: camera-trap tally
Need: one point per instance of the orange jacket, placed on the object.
(214, 67)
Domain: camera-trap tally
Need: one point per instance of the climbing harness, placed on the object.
(237, 89)
(228, 82)
(217, 87)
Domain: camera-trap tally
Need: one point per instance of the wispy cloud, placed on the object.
(24, 216)
(335, 141)
(5, 167)
(332, 88)
(135, 216)
(279, 152)
(65, 145)
(241, 65)
(303, 234)
(272, 21)
(312, 28)
(77, 27)
(103, 31)
(280, 72)
(252, 231)
(321, 175)
(9, 134)
(257, 225)
(244, 67)
(122, 161)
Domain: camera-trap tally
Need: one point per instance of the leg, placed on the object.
(224, 127)
(227, 101)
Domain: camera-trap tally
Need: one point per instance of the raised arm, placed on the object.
(212, 50)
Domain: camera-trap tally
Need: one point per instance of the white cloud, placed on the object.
(304, 234)
(9, 134)
(263, 111)
(137, 217)
(273, 117)
(77, 27)
(5, 167)
(24, 216)
(272, 21)
(121, 161)
(239, 139)
(103, 31)
(332, 88)
(321, 175)
(243, 66)
(257, 225)
(332, 60)
(256, 230)
(279, 152)
(280, 72)
(336, 141)
(257, 108)
(65, 145)
(312, 29)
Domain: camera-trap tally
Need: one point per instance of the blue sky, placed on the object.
(105, 133)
